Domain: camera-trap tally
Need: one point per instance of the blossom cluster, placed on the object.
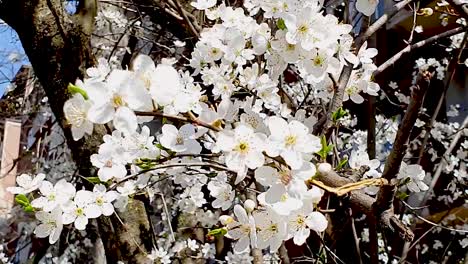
(223, 125)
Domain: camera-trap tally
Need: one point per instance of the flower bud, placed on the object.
(249, 205)
(324, 168)
(226, 219)
(425, 12)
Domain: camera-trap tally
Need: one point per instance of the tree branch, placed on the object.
(461, 7)
(325, 123)
(363, 203)
(385, 196)
(417, 45)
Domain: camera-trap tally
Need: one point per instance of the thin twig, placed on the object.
(443, 163)
(417, 45)
(432, 223)
(166, 166)
(452, 68)
(179, 118)
(168, 217)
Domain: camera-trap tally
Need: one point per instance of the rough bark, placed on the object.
(58, 47)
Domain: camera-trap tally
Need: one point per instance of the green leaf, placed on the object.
(28, 209)
(341, 164)
(73, 89)
(402, 195)
(340, 113)
(280, 24)
(22, 200)
(323, 153)
(218, 232)
(93, 180)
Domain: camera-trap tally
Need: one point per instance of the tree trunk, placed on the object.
(58, 47)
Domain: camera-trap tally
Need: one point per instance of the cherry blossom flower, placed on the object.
(116, 98)
(180, 140)
(159, 255)
(243, 148)
(54, 195)
(271, 230)
(291, 141)
(223, 193)
(416, 175)
(76, 112)
(51, 224)
(242, 230)
(103, 199)
(27, 184)
(81, 210)
(301, 221)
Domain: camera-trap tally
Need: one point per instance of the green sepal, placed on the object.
(402, 195)
(341, 164)
(280, 24)
(219, 232)
(338, 114)
(93, 180)
(323, 153)
(22, 200)
(73, 89)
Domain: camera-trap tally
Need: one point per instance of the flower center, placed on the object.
(300, 221)
(303, 29)
(351, 90)
(285, 177)
(108, 164)
(243, 147)
(99, 201)
(290, 140)
(76, 117)
(118, 101)
(179, 140)
(51, 197)
(79, 211)
(318, 61)
(284, 198)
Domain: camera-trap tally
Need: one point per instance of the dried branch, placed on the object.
(363, 203)
(461, 7)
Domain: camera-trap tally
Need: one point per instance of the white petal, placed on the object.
(107, 209)
(301, 236)
(242, 245)
(266, 175)
(101, 114)
(92, 211)
(125, 120)
(317, 222)
(81, 222)
(367, 7)
(43, 230)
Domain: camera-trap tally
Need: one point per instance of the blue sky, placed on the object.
(9, 43)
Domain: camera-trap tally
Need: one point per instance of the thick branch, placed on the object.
(58, 47)
(362, 202)
(326, 122)
(386, 193)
